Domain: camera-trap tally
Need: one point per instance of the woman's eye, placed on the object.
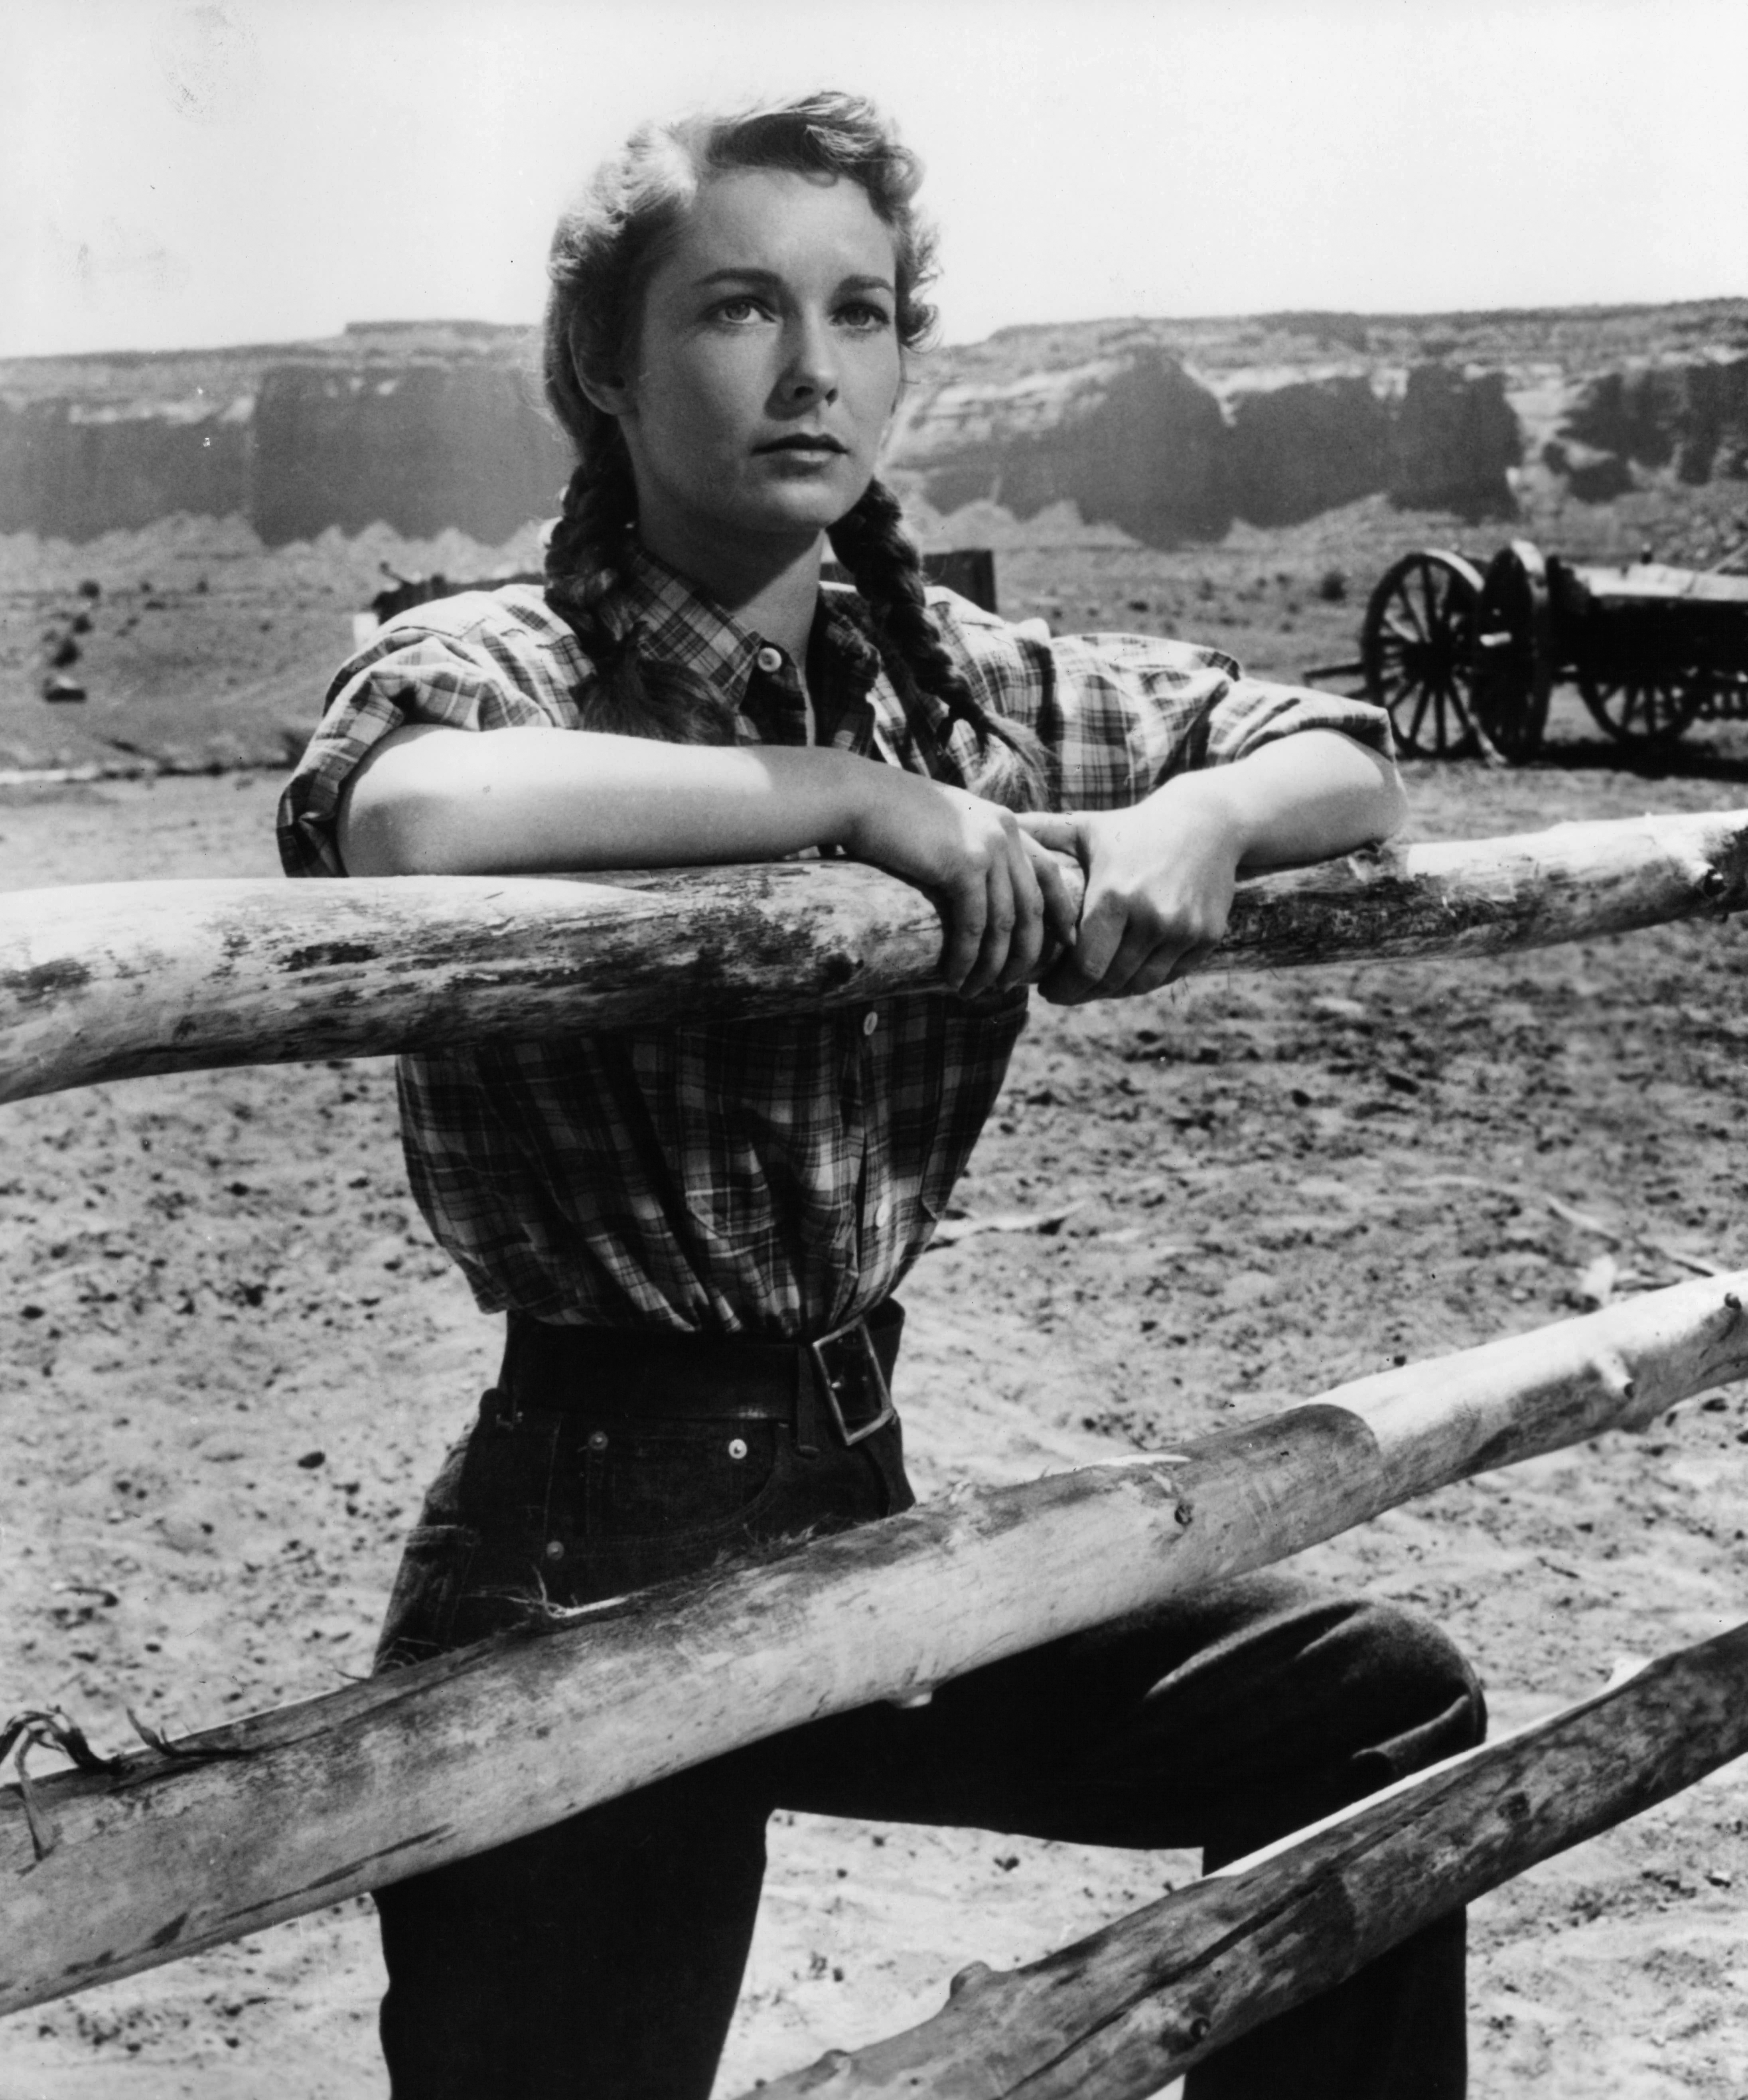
(864, 314)
(739, 309)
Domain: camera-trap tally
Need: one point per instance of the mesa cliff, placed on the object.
(1167, 430)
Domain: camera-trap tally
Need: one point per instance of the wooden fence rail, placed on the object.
(172, 1849)
(110, 981)
(103, 1875)
(1120, 2014)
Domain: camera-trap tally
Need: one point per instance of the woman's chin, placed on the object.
(802, 517)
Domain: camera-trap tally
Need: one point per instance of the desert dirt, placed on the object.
(231, 1355)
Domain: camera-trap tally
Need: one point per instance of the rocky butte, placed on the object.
(1166, 430)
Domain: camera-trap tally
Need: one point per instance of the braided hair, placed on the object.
(603, 254)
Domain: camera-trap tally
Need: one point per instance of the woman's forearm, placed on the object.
(1301, 798)
(429, 800)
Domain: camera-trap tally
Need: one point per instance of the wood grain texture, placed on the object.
(110, 981)
(103, 1875)
(1118, 2015)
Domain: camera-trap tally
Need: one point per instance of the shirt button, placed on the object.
(737, 1447)
(870, 1022)
(883, 1213)
(770, 660)
(598, 1440)
(555, 1549)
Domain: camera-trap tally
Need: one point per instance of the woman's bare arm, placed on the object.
(431, 800)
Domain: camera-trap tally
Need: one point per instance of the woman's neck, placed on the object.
(772, 590)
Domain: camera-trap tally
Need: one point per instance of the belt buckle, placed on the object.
(870, 1358)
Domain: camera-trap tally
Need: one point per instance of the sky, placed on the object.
(177, 176)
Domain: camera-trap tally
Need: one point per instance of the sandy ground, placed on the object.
(230, 1355)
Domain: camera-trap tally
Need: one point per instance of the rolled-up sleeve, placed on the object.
(450, 668)
(1119, 713)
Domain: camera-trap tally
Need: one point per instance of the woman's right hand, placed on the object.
(1004, 906)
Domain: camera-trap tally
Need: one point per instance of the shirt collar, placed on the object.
(678, 621)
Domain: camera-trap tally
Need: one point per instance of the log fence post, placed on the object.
(184, 1847)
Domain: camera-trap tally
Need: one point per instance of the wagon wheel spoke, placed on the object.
(1411, 736)
(1650, 707)
(1414, 632)
(1414, 646)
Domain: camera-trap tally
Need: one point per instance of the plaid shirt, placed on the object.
(772, 1177)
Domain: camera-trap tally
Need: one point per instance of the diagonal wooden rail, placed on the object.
(103, 1875)
(109, 981)
(1120, 2014)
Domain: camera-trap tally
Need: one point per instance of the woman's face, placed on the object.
(766, 366)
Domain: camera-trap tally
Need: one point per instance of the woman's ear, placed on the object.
(610, 393)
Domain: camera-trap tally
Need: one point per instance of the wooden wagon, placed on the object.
(1467, 661)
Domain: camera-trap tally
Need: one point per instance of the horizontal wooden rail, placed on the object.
(101, 1875)
(109, 981)
(1118, 2015)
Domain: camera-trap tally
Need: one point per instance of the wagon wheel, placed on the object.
(1514, 657)
(1649, 703)
(1417, 647)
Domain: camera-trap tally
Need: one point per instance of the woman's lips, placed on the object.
(807, 446)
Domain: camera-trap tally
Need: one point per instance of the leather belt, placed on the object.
(630, 1375)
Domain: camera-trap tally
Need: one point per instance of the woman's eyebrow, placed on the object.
(737, 273)
(749, 274)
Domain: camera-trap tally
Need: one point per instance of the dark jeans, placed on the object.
(600, 1960)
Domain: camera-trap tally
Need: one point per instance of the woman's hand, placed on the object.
(1004, 904)
(1160, 876)
(1159, 885)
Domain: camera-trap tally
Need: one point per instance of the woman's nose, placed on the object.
(811, 372)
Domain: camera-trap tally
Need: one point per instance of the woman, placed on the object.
(696, 1232)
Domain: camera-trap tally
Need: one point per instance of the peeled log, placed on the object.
(107, 1874)
(114, 980)
(1119, 2015)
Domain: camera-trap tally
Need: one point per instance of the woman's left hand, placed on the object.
(1159, 885)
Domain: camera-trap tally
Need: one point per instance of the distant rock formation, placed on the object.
(1694, 415)
(74, 470)
(1136, 441)
(1164, 429)
(1305, 447)
(1452, 439)
(1591, 476)
(1133, 441)
(420, 446)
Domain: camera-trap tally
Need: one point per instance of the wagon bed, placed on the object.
(1466, 661)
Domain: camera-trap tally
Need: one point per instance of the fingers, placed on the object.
(1061, 909)
(964, 907)
(1081, 972)
(1000, 912)
(1052, 830)
(1006, 914)
(1123, 953)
